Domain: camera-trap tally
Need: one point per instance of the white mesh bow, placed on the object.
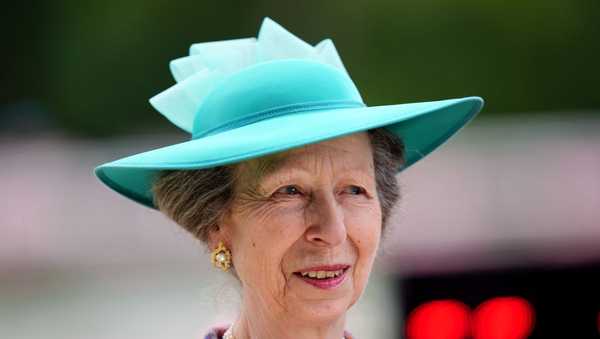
(210, 62)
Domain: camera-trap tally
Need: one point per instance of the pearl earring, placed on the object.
(221, 257)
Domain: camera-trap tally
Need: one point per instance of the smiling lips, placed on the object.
(324, 277)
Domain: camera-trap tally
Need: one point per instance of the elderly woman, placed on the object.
(289, 178)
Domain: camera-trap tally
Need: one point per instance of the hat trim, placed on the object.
(280, 111)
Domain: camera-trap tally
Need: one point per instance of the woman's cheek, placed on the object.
(364, 232)
(364, 225)
(280, 228)
(366, 254)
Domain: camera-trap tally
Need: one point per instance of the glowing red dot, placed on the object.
(440, 319)
(503, 318)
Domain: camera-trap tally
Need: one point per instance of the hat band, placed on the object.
(279, 111)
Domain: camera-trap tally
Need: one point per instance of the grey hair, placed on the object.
(197, 199)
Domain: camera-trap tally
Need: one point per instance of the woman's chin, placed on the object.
(323, 300)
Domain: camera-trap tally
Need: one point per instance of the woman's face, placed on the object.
(305, 227)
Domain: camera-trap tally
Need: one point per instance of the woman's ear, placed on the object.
(221, 232)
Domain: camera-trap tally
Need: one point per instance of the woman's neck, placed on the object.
(257, 322)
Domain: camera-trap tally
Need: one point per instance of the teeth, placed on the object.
(322, 274)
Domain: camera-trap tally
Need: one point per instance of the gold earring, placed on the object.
(221, 257)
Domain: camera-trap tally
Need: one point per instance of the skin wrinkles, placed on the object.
(302, 208)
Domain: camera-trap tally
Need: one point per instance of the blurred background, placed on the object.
(497, 234)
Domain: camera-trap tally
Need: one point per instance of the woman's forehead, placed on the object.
(350, 154)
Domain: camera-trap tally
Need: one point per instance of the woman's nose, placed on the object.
(326, 226)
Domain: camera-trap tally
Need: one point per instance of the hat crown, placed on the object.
(211, 63)
(274, 88)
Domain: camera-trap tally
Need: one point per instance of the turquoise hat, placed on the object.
(245, 98)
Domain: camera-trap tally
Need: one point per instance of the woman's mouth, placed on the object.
(324, 277)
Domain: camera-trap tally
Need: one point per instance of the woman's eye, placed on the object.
(356, 190)
(289, 190)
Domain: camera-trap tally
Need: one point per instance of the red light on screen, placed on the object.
(503, 318)
(440, 319)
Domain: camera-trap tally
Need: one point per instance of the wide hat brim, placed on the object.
(423, 127)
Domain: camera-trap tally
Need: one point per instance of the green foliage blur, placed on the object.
(93, 65)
